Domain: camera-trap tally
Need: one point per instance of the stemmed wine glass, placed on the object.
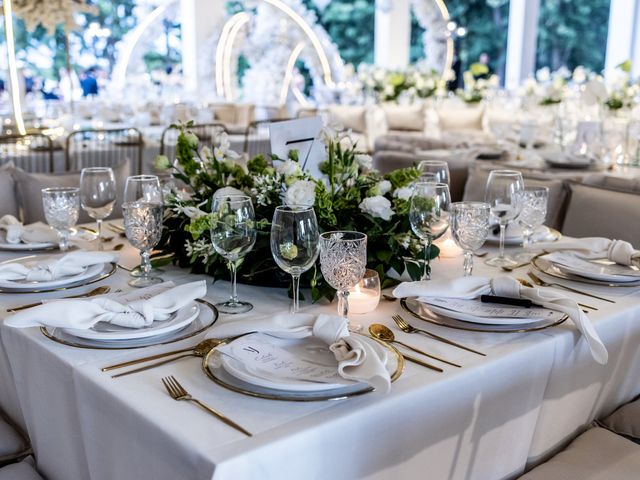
(295, 243)
(143, 211)
(437, 168)
(470, 227)
(98, 194)
(429, 216)
(533, 201)
(233, 234)
(61, 209)
(343, 261)
(503, 195)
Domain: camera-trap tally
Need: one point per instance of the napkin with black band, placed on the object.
(156, 303)
(359, 358)
(474, 287)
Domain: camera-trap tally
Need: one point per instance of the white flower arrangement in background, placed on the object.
(51, 13)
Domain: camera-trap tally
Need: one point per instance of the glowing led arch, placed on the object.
(13, 70)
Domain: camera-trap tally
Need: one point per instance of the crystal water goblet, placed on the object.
(295, 243)
(233, 234)
(533, 201)
(98, 195)
(61, 210)
(429, 216)
(143, 212)
(502, 193)
(343, 261)
(469, 228)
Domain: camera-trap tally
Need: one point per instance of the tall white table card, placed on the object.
(303, 135)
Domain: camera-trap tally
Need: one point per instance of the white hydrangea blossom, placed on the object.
(302, 192)
(263, 186)
(288, 168)
(377, 207)
(364, 161)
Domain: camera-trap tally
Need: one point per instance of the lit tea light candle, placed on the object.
(365, 296)
(448, 247)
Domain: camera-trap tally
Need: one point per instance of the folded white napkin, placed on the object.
(359, 358)
(472, 287)
(84, 313)
(592, 248)
(73, 263)
(16, 232)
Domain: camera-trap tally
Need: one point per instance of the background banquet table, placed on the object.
(487, 420)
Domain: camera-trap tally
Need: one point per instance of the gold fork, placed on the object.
(542, 283)
(405, 327)
(177, 392)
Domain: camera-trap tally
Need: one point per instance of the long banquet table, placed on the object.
(487, 420)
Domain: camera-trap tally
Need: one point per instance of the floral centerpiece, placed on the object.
(51, 13)
(622, 92)
(349, 196)
(477, 83)
(385, 85)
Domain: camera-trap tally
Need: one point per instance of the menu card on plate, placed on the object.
(478, 309)
(261, 355)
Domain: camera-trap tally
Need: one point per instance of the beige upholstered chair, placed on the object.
(14, 445)
(625, 421)
(29, 196)
(451, 118)
(23, 470)
(405, 118)
(595, 209)
(477, 181)
(8, 202)
(236, 117)
(597, 454)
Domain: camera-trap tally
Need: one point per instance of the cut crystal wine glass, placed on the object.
(469, 228)
(61, 210)
(343, 261)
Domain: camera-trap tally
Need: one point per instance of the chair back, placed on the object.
(32, 152)
(207, 133)
(104, 148)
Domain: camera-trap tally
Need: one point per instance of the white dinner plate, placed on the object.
(23, 286)
(599, 270)
(213, 368)
(548, 268)
(538, 314)
(311, 351)
(27, 247)
(562, 160)
(103, 331)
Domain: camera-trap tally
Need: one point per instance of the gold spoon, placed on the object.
(118, 247)
(96, 291)
(384, 333)
(525, 283)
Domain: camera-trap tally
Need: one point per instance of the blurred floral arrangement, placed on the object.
(478, 83)
(349, 196)
(51, 13)
(622, 92)
(384, 85)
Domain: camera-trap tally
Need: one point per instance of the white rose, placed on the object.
(288, 168)
(384, 187)
(403, 193)
(543, 75)
(302, 192)
(377, 207)
(364, 161)
(579, 75)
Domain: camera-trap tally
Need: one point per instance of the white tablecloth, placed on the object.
(487, 420)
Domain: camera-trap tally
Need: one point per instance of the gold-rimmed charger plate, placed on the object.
(108, 270)
(539, 264)
(421, 311)
(229, 382)
(206, 318)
